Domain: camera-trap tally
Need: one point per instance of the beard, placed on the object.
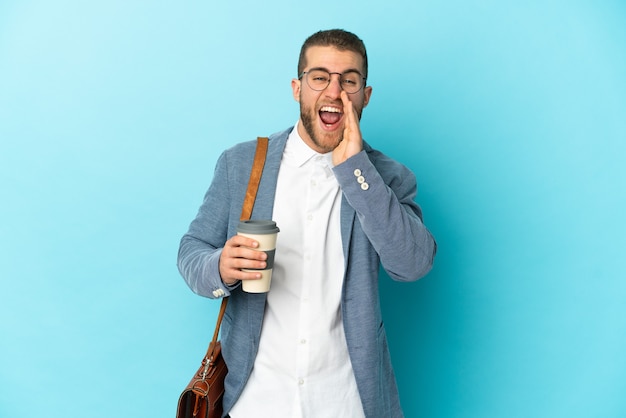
(324, 141)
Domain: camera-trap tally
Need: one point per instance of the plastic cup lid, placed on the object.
(258, 227)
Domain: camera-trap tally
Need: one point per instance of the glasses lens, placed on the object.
(318, 79)
(351, 82)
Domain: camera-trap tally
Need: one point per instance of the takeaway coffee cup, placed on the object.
(264, 232)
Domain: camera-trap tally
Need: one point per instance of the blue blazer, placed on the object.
(380, 224)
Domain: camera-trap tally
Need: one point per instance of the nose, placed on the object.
(334, 86)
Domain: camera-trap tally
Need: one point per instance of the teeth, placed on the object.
(330, 109)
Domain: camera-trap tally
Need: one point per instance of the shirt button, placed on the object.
(357, 172)
(303, 341)
(301, 382)
(365, 186)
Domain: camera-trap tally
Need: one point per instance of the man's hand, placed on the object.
(352, 142)
(238, 253)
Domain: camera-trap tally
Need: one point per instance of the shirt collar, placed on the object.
(299, 153)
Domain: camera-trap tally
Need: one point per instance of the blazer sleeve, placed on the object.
(382, 192)
(200, 248)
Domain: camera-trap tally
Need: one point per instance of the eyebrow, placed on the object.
(349, 70)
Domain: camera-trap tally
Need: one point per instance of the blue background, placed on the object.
(513, 117)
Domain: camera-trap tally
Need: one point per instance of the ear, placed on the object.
(367, 93)
(295, 86)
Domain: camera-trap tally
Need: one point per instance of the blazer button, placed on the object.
(357, 172)
(365, 186)
(360, 179)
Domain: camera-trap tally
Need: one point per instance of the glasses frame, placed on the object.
(329, 79)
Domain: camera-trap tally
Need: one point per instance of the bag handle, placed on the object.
(246, 212)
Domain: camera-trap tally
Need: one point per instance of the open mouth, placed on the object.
(330, 115)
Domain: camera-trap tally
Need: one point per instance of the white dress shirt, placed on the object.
(302, 369)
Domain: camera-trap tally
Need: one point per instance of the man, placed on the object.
(315, 345)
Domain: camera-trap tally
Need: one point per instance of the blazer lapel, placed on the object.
(347, 224)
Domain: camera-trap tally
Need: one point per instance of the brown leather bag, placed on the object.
(202, 398)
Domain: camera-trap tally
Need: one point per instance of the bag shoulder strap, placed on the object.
(246, 212)
(255, 177)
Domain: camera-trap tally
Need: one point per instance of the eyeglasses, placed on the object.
(350, 81)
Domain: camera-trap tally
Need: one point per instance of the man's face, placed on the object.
(321, 112)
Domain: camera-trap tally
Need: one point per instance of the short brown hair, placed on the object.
(338, 38)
